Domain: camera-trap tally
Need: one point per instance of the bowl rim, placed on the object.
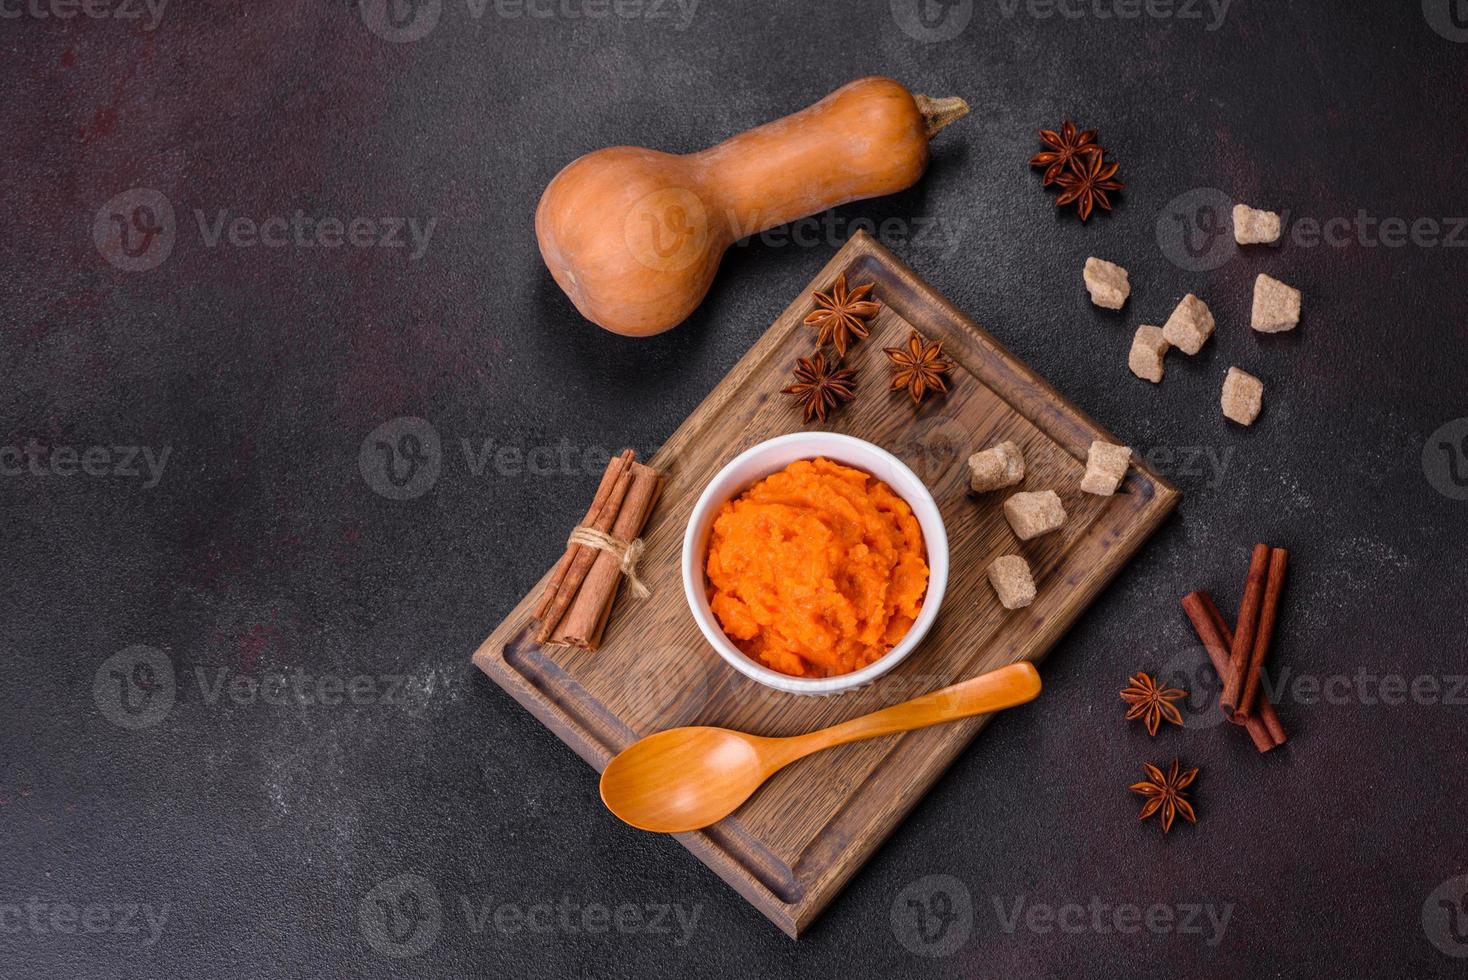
(925, 509)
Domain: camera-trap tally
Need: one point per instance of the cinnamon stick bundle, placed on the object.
(1273, 587)
(1264, 726)
(579, 594)
(586, 618)
(558, 586)
(1242, 648)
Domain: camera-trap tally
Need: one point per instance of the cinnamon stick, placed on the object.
(1242, 648)
(1269, 610)
(1263, 725)
(586, 618)
(1264, 708)
(585, 558)
(615, 466)
(1270, 717)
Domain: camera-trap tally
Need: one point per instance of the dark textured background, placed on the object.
(264, 827)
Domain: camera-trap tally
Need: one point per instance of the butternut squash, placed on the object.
(634, 236)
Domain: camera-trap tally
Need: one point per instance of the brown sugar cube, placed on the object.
(1276, 306)
(1190, 325)
(1243, 396)
(1148, 348)
(1032, 514)
(998, 466)
(1255, 227)
(1010, 576)
(1105, 467)
(1107, 283)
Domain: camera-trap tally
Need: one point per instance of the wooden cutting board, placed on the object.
(798, 840)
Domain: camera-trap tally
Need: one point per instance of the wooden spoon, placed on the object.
(688, 778)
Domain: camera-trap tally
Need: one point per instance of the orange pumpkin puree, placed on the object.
(817, 569)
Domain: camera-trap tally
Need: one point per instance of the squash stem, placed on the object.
(938, 113)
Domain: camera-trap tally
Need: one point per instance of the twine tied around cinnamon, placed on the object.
(627, 554)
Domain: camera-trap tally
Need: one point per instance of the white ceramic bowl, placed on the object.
(769, 457)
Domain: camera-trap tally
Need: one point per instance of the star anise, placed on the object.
(1086, 183)
(1164, 792)
(840, 315)
(919, 367)
(1151, 703)
(821, 387)
(1066, 146)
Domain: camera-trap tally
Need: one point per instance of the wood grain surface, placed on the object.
(799, 839)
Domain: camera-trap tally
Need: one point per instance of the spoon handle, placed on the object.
(1002, 688)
